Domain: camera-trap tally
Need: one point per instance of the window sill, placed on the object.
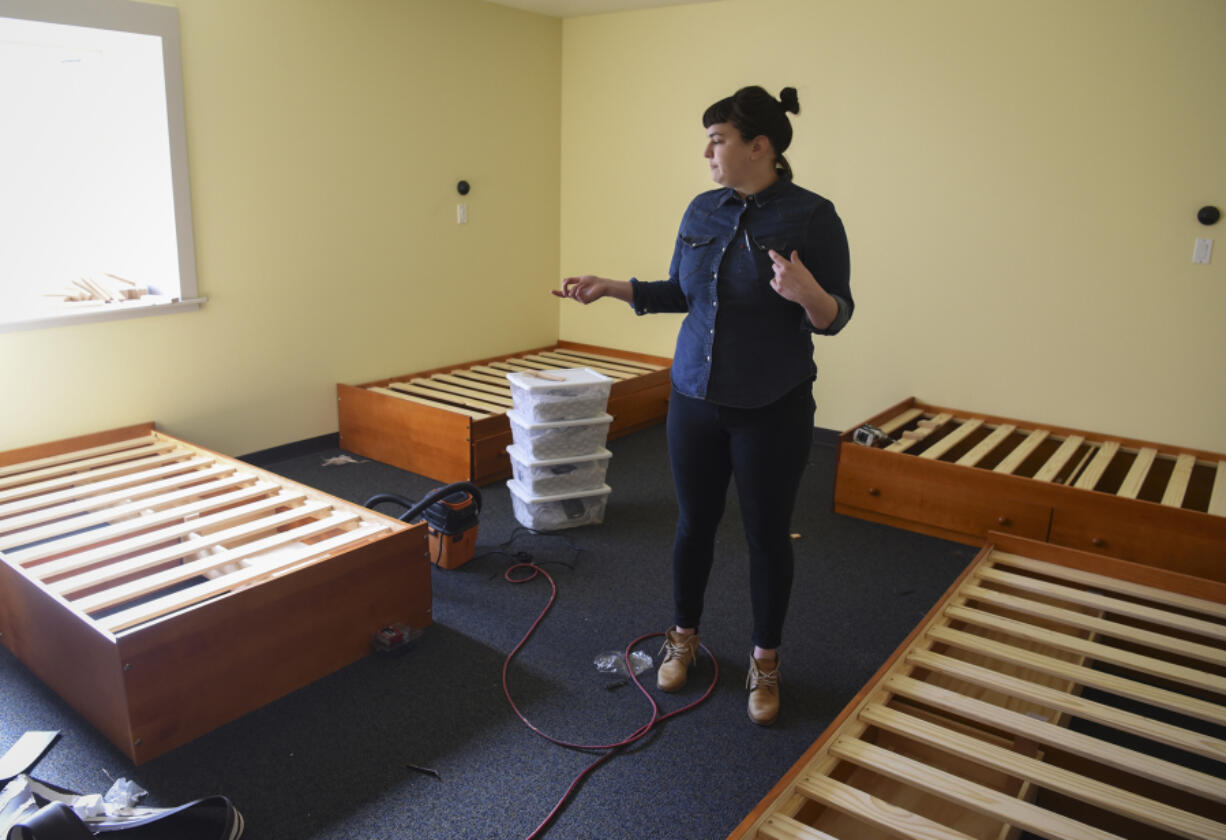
(101, 312)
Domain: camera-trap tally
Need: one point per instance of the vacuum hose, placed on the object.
(415, 509)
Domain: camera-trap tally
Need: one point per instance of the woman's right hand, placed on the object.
(589, 287)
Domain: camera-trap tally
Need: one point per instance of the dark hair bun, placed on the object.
(789, 100)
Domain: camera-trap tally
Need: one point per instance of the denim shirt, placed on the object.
(741, 344)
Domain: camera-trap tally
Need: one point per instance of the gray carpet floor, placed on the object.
(345, 757)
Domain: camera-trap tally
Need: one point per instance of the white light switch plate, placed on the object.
(1203, 251)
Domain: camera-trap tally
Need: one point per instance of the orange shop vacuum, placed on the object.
(451, 520)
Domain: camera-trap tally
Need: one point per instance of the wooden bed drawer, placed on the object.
(934, 498)
(958, 474)
(450, 423)
(1182, 541)
(162, 589)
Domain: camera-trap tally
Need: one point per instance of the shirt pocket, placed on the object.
(697, 254)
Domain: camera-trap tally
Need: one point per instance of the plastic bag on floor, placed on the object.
(614, 662)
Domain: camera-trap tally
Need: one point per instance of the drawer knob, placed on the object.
(1098, 542)
(1003, 520)
(873, 491)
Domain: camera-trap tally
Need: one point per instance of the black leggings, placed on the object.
(766, 449)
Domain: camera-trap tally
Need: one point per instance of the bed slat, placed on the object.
(1131, 487)
(80, 560)
(493, 373)
(196, 594)
(36, 490)
(1134, 806)
(217, 558)
(874, 811)
(584, 354)
(1166, 618)
(1052, 735)
(985, 446)
(432, 403)
(1217, 498)
(952, 439)
(93, 491)
(474, 385)
(498, 383)
(1165, 733)
(75, 455)
(1177, 484)
(1022, 451)
(125, 519)
(481, 397)
(1051, 468)
(1090, 477)
(1081, 675)
(115, 571)
(447, 400)
(1119, 587)
(1101, 626)
(86, 511)
(516, 365)
(76, 467)
(895, 423)
(562, 363)
(921, 431)
(968, 794)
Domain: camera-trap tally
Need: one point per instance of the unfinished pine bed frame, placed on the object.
(964, 732)
(958, 475)
(162, 589)
(450, 423)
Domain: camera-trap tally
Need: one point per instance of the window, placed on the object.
(95, 210)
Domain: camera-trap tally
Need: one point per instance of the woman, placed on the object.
(760, 264)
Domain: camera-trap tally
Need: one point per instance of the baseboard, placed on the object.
(292, 450)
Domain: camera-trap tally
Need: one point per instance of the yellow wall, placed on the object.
(1019, 182)
(325, 139)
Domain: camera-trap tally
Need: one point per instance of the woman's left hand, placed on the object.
(792, 280)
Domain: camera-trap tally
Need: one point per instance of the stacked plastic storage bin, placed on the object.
(558, 459)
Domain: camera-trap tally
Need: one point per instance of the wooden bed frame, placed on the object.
(958, 475)
(162, 589)
(963, 733)
(450, 424)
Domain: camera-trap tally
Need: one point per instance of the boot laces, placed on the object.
(757, 678)
(683, 650)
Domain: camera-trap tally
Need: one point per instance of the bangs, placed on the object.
(717, 113)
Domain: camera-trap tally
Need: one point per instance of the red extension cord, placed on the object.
(612, 748)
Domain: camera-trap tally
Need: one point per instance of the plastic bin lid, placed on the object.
(531, 380)
(517, 452)
(519, 420)
(524, 496)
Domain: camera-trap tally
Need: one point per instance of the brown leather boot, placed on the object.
(763, 684)
(680, 652)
